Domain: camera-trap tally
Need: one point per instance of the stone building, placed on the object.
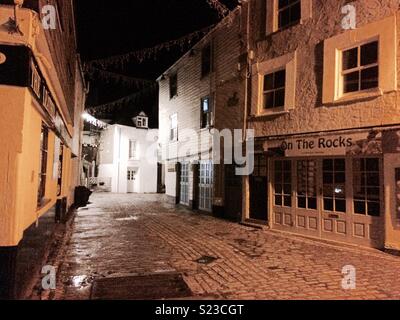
(202, 91)
(42, 96)
(324, 107)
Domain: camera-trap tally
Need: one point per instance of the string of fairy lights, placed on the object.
(97, 69)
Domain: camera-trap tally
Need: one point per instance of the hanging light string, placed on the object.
(120, 61)
(222, 9)
(94, 73)
(115, 105)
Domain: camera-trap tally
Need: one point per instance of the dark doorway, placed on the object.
(259, 189)
(233, 194)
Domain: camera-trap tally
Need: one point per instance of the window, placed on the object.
(307, 184)
(132, 149)
(44, 136)
(274, 90)
(367, 191)
(206, 112)
(283, 183)
(360, 63)
(360, 69)
(173, 86)
(334, 185)
(206, 60)
(36, 80)
(174, 127)
(289, 13)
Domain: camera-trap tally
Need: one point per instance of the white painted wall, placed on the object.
(114, 158)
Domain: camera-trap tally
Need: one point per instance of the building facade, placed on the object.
(202, 92)
(324, 107)
(42, 96)
(128, 161)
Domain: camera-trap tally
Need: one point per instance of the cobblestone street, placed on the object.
(121, 235)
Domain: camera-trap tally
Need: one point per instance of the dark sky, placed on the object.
(107, 28)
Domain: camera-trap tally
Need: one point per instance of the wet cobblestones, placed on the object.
(125, 235)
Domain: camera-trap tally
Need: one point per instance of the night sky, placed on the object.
(107, 28)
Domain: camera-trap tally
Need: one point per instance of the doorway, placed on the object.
(132, 181)
(259, 189)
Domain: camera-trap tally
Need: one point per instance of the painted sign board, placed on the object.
(335, 145)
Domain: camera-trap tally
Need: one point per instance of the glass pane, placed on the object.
(269, 82)
(287, 165)
(302, 202)
(374, 209)
(280, 79)
(369, 53)
(279, 98)
(350, 59)
(284, 18)
(269, 100)
(340, 192)
(287, 177)
(340, 165)
(373, 179)
(373, 194)
(359, 207)
(340, 177)
(328, 178)
(278, 165)
(278, 188)
(328, 191)
(295, 12)
(312, 203)
(278, 200)
(283, 3)
(287, 189)
(328, 165)
(372, 164)
(328, 204)
(369, 78)
(351, 82)
(288, 201)
(340, 205)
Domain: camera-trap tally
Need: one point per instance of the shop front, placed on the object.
(336, 187)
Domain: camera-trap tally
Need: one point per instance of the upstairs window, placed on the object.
(274, 89)
(360, 69)
(173, 136)
(132, 149)
(173, 86)
(289, 13)
(206, 112)
(206, 60)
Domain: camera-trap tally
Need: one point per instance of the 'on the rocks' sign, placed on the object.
(338, 145)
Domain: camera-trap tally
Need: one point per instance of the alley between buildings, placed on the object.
(119, 237)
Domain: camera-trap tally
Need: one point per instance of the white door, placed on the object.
(132, 183)
(184, 198)
(206, 186)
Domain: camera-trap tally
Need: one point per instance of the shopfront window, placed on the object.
(44, 136)
(334, 185)
(283, 183)
(367, 191)
(307, 184)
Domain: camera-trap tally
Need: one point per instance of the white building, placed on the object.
(128, 158)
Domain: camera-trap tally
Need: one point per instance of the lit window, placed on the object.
(289, 13)
(360, 69)
(334, 185)
(206, 112)
(274, 90)
(174, 127)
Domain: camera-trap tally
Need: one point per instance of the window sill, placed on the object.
(358, 96)
(270, 114)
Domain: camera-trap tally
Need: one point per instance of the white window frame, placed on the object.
(260, 70)
(133, 154)
(173, 137)
(273, 15)
(358, 68)
(385, 32)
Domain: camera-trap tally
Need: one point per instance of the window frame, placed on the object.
(278, 11)
(173, 89)
(342, 73)
(133, 155)
(207, 71)
(209, 113)
(43, 163)
(274, 90)
(173, 130)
